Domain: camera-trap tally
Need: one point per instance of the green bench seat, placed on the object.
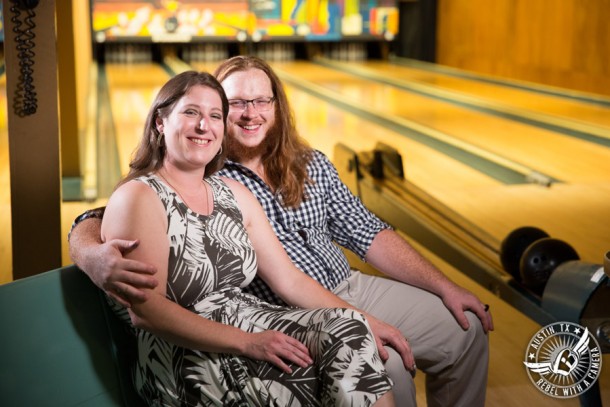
(60, 345)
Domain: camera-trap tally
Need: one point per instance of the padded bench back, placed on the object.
(58, 346)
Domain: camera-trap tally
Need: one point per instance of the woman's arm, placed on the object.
(135, 212)
(296, 287)
(122, 279)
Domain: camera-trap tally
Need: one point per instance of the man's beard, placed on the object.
(238, 152)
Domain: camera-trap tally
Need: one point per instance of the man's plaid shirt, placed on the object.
(330, 213)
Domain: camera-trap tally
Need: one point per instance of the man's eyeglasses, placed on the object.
(260, 104)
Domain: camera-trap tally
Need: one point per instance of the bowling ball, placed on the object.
(541, 258)
(513, 246)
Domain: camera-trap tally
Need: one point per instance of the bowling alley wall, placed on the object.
(564, 43)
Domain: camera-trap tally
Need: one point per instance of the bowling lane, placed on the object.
(576, 213)
(324, 125)
(556, 155)
(6, 247)
(132, 89)
(529, 100)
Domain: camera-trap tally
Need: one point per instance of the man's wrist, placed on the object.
(97, 213)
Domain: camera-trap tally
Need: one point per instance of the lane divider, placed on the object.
(570, 94)
(501, 168)
(573, 128)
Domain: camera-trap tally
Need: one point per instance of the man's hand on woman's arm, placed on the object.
(104, 263)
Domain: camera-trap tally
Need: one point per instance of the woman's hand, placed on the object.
(386, 334)
(277, 348)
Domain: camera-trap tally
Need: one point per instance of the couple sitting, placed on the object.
(202, 337)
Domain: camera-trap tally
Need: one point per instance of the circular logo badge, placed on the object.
(563, 360)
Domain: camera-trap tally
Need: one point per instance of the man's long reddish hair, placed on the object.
(286, 158)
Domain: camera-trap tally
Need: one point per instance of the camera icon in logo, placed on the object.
(563, 360)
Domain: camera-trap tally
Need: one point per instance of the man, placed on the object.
(309, 209)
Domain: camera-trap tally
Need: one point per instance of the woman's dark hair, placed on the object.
(149, 155)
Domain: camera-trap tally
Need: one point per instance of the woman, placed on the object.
(201, 340)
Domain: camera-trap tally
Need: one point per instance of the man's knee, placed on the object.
(459, 346)
(470, 347)
(479, 339)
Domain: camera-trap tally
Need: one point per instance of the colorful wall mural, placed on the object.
(243, 20)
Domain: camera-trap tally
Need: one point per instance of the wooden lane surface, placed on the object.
(576, 213)
(6, 247)
(556, 155)
(132, 89)
(552, 105)
(324, 125)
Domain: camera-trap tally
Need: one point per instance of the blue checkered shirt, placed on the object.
(330, 214)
